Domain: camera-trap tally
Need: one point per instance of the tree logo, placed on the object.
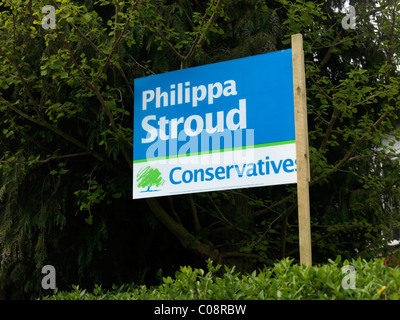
(148, 177)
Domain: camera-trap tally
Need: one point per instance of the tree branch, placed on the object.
(225, 255)
(164, 38)
(73, 155)
(25, 84)
(52, 128)
(351, 151)
(92, 87)
(196, 221)
(187, 240)
(329, 53)
(272, 207)
(95, 90)
(201, 37)
(115, 45)
(93, 45)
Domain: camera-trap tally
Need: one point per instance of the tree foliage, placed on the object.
(282, 281)
(66, 98)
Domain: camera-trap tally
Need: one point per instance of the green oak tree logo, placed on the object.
(149, 177)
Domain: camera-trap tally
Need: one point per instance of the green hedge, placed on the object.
(285, 280)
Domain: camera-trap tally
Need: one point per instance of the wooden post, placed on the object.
(302, 154)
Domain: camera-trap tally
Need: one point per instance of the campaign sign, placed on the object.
(219, 126)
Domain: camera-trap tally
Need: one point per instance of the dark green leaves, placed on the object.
(283, 281)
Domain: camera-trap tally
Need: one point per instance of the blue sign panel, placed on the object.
(222, 109)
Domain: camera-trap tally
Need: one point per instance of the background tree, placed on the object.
(66, 98)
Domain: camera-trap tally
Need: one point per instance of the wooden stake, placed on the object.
(302, 154)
